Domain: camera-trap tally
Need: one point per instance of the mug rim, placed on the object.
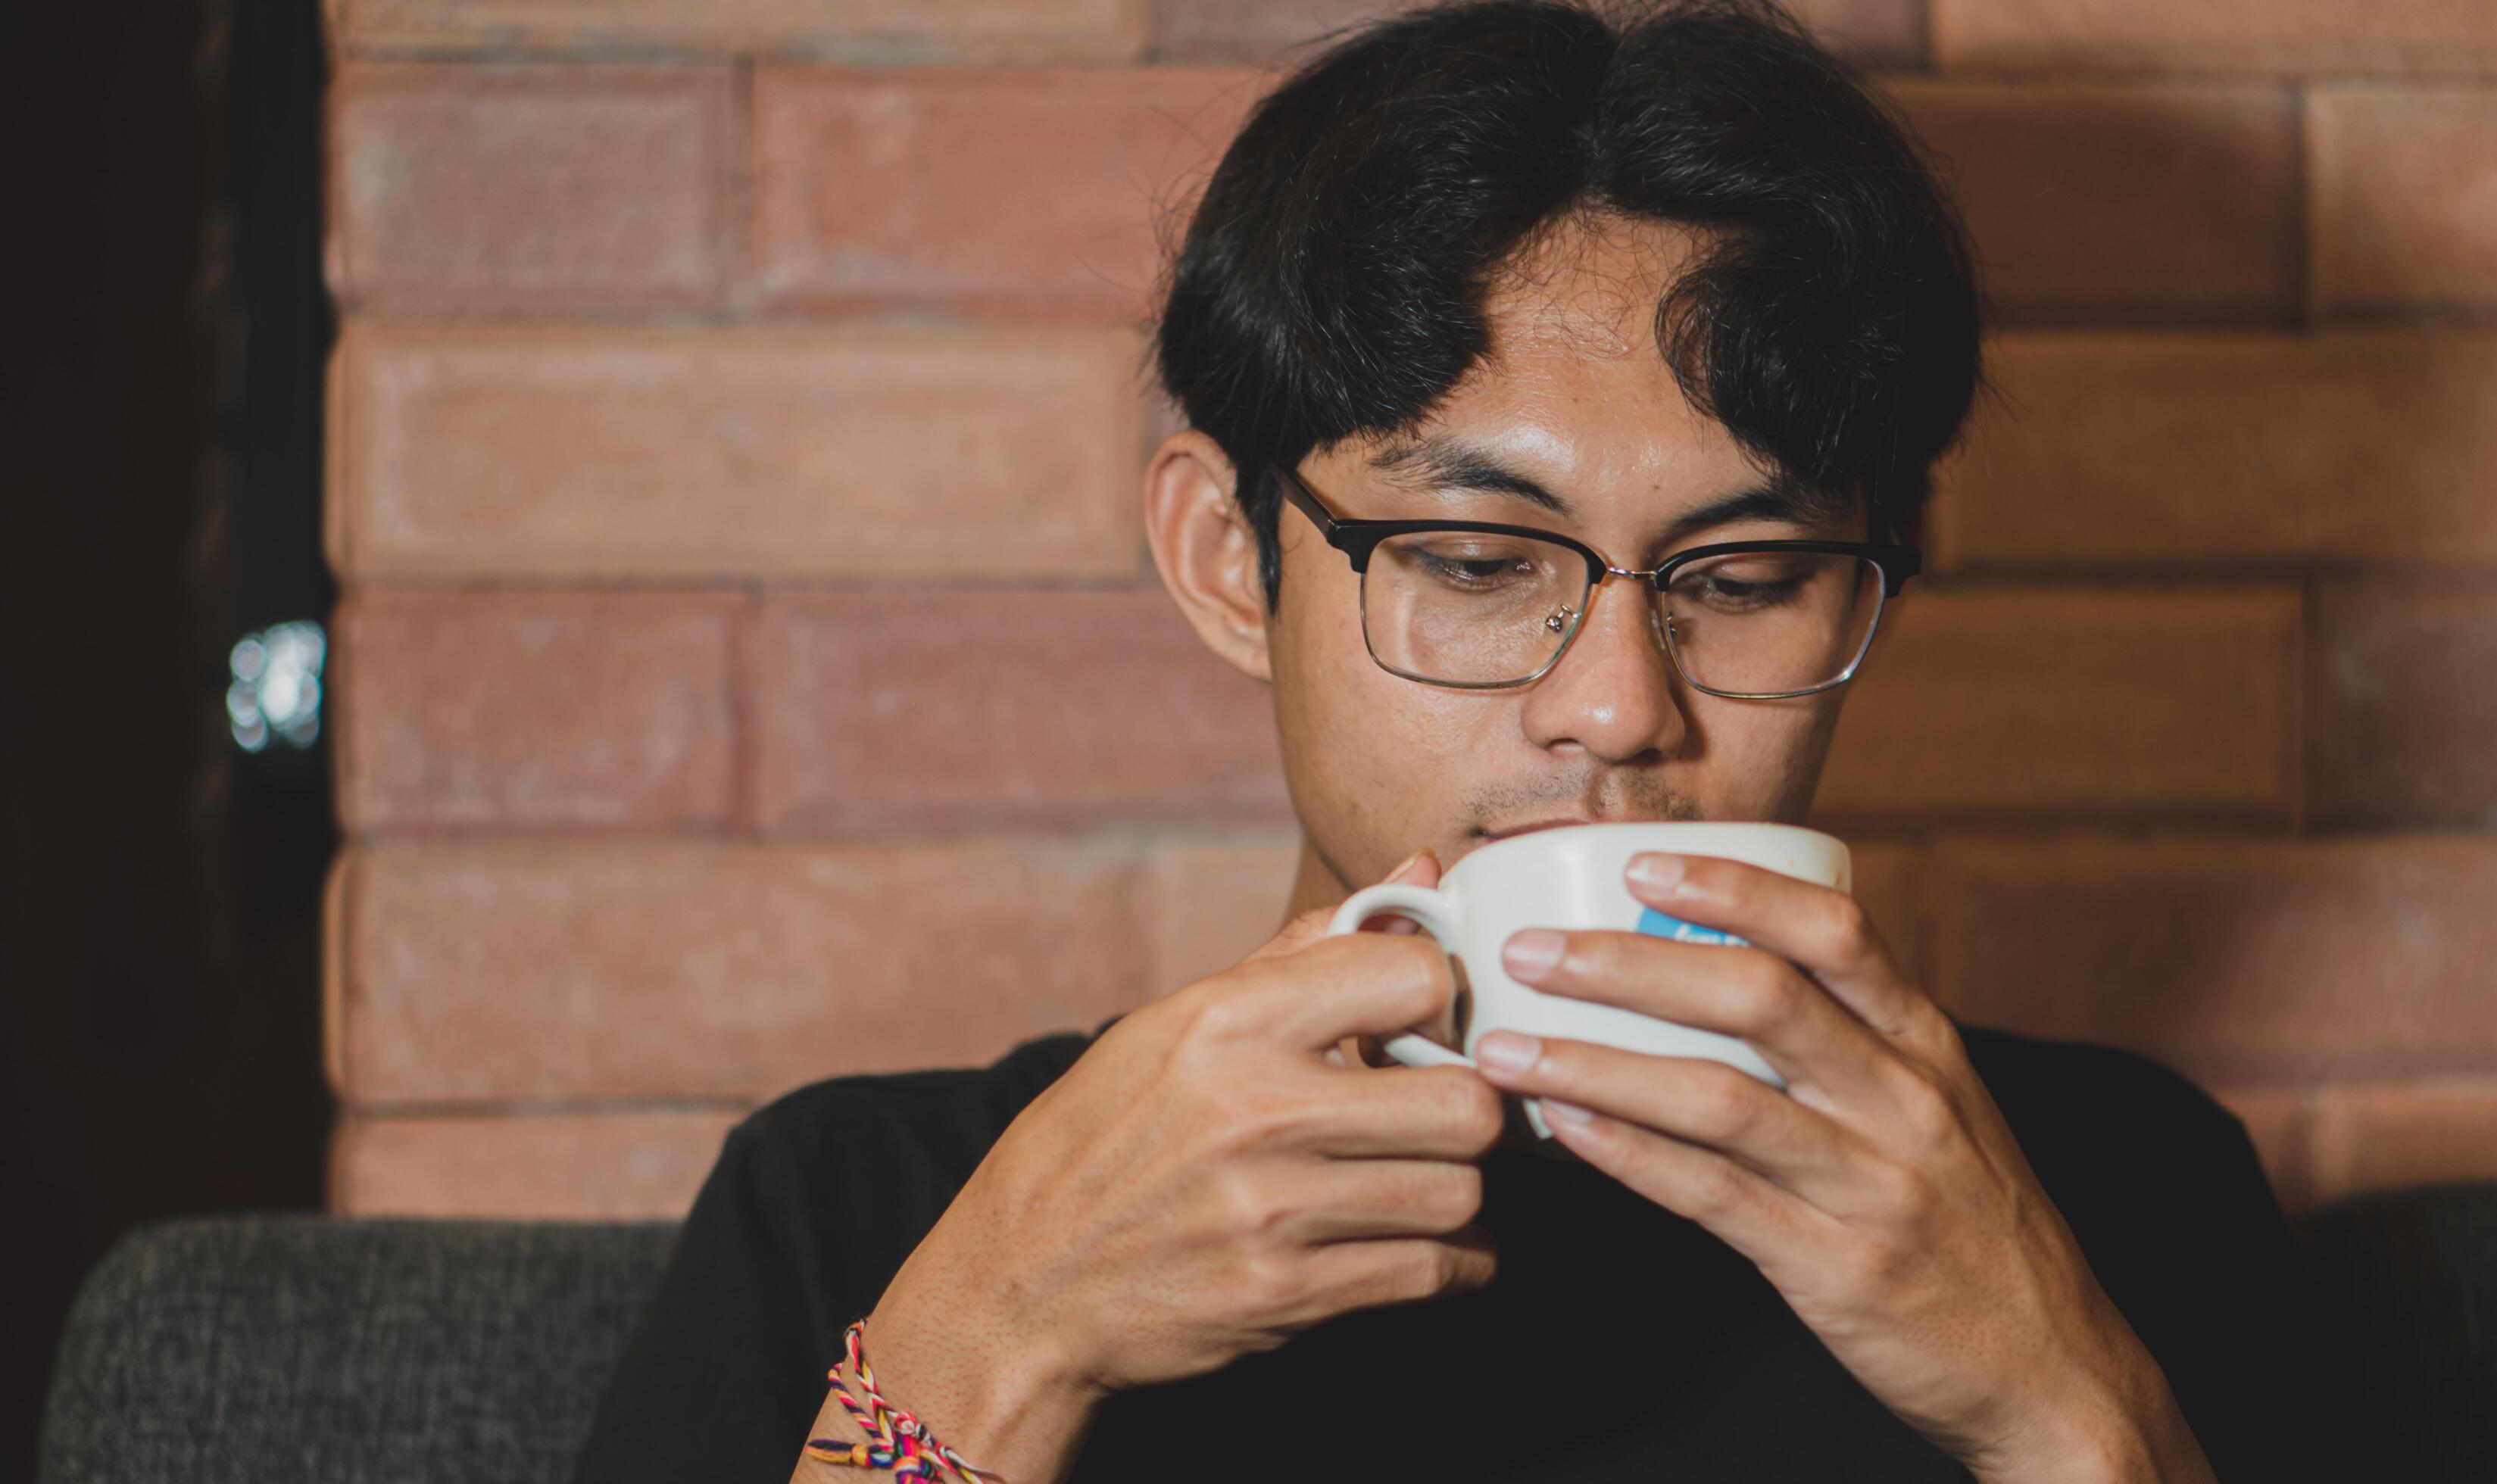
(1616, 824)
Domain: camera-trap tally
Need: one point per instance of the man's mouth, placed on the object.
(1540, 824)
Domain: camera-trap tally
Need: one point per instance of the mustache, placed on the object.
(1621, 795)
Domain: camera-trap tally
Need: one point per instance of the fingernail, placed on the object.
(1507, 1051)
(1558, 1112)
(1657, 873)
(1403, 866)
(1533, 951)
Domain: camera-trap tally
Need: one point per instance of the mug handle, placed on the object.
(1435, 914)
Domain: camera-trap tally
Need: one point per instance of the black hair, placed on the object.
(1331, 282)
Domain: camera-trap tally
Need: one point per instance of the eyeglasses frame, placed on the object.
(1358, 539)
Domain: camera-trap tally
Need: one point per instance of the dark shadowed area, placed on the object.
(159, 939)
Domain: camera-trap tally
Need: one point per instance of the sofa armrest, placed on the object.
(272, 1349)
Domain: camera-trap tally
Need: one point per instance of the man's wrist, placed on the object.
(2124, 1429)
(1009, 1402)
(2098, 1449)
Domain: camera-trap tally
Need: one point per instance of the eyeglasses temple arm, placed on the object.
(1304, 501)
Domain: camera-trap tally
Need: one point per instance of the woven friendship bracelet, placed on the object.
(898, 1440)
(890, 1446)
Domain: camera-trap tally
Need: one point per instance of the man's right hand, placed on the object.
(1209, 1179)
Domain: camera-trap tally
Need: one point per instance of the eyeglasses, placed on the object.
(1481, 605)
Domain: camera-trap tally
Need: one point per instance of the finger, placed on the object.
(1360, 982)
(1775, 1228)
(1750, 994)
(1821, 929)
(1698, 1101)
(1334, 1200)
(1420, 1112)
(1364, 1273)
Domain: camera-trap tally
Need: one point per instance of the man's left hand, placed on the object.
(1881, 1192)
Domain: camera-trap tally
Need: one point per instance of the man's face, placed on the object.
(1574, 396)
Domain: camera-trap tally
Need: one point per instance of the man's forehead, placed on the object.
(1572, 406)
(1573, 382)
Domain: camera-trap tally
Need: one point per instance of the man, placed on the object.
(1641, 286)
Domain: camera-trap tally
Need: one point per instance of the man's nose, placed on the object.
(1615, 692)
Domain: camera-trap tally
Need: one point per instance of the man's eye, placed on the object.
(1733, 590)
(1480, 568)
(1738, 590)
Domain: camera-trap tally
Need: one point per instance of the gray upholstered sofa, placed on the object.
(273, 1349)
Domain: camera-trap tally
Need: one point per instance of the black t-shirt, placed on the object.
(1667, 1353)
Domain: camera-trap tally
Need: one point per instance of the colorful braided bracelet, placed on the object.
(897, 1438)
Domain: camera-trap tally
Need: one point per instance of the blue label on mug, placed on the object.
(1656, 924)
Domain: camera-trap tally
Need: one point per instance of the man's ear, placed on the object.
(1206, 552)
(1909, 530)
(1894, 612)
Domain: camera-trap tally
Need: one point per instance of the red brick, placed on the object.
(2132, 452)
(879, 31)
(2053, 702)
(529, 188)
(1282, 32)
(2417, 36)
(2401, 711)
(2405, 197)
(1264, 32)
(547, 971)
(468, 710)
(1209, 902)
(976, 710)
(2279, 1119)
(2381, 1136)
(2236, 961)
(1888, 882)
(868, 452)
(999, 194)
(2096, 202)
(524, 1166)
(1891, 31)
(337, 899)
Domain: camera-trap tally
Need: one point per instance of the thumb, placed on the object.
(1420, 869)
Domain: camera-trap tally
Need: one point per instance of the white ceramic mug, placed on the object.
(1571, 877)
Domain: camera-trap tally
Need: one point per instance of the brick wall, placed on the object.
(723, 381)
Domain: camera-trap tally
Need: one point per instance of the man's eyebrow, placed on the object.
(1439, 462)
(1779, 498)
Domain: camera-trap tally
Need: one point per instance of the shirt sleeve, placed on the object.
(816, 1201)
(723, 1373)
(2185, 1234)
